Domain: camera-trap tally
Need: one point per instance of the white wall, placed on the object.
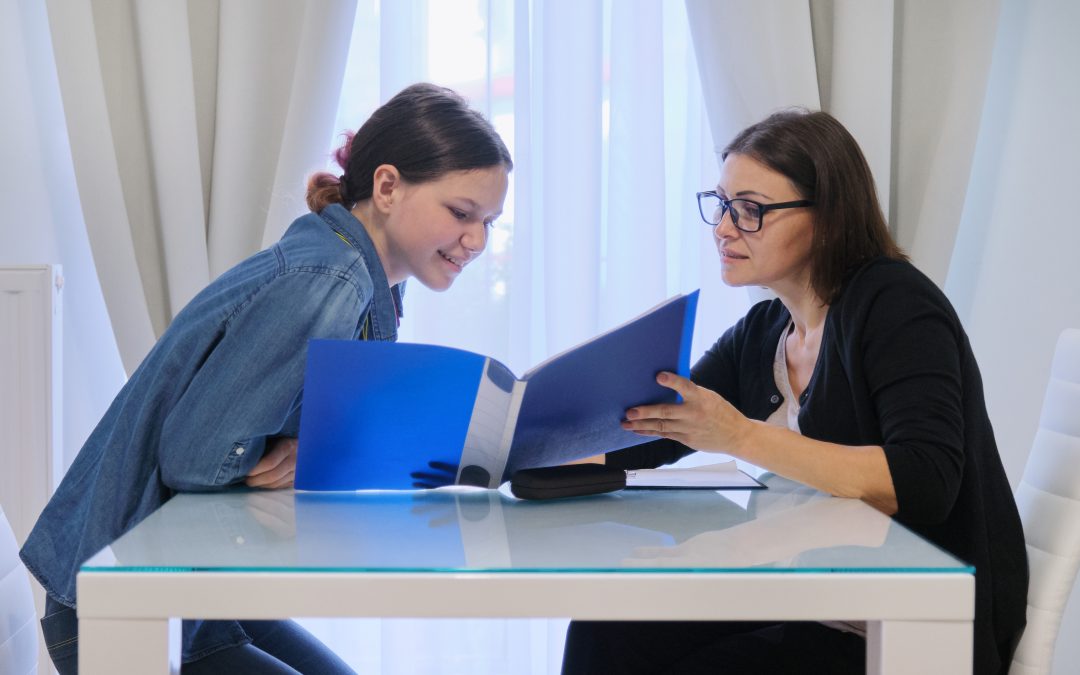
(40, 217)
(1015, 277)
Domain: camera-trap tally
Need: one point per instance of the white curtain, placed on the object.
(600, 103)
(944, 58)
(193, 124)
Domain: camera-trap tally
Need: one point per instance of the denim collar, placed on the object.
(386, 308)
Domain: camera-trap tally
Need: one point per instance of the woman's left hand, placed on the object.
(703, 421)
(277, 468)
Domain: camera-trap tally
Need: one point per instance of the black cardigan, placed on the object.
(895, 369)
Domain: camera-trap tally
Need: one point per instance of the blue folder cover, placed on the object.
(380, 415)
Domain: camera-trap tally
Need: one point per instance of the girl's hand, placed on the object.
(277, 468)
(703, 421)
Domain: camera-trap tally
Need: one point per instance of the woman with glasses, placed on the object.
(858, 380)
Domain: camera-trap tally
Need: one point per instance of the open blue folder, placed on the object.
(380, 415)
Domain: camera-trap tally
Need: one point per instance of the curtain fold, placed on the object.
(97, 162)
(568, 91)
(636, 269)
(753, 58)
(943, 66)
(165, 59)
(853, 49)
(186, 155)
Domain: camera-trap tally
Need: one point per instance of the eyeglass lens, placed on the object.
(745, 214)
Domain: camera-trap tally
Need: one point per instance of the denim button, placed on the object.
(240, 450)
(774, 399)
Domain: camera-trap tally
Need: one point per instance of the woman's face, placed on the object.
(434, 229)
(776, 256)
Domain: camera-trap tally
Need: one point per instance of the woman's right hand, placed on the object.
(277, 468)
(703, 421)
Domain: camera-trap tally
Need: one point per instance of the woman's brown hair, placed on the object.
(424, 131)
(824, 163)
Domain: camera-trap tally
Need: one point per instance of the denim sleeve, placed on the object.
(249, 386)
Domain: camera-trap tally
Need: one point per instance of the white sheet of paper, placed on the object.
(718, 476)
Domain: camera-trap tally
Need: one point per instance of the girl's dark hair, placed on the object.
(824, 163)
(424, 131)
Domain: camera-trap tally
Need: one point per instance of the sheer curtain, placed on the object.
(192, 125)
(601, 106)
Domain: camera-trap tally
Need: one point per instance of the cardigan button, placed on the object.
(774, 398)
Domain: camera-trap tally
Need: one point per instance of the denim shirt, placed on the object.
(224, 378)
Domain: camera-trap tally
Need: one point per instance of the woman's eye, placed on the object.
(460, 215)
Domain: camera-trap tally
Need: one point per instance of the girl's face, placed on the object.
(776, 256)
(434, 229)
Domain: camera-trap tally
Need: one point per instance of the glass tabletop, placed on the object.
(786, 529)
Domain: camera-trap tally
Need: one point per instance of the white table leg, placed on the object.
(918, 647)
(121, 646)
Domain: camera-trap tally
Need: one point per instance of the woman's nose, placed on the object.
(475, 238)
(725, 229)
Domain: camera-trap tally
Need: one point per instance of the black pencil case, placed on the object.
(573, 480)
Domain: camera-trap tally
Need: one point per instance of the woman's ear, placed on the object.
(386, 184)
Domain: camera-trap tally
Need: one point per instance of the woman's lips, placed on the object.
(459, 264)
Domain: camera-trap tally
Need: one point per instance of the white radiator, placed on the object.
(31, 449)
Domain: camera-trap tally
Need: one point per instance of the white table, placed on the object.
(692, 555)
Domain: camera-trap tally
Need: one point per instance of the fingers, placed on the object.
(657, 420)
(281, 450)
(425, 480)
(442, 473)
(285, 481)
(443, 466)
(680, 384)
(277, 468)
(661, 411)
(282, 477)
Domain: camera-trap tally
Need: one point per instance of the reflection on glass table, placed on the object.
(786, 529)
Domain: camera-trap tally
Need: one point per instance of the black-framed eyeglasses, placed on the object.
(746, 214)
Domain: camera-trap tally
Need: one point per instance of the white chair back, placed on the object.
(1049, 501)
(18, 618)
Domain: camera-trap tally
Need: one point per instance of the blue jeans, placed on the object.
(277, 647)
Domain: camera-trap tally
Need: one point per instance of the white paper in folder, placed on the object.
(721, 476)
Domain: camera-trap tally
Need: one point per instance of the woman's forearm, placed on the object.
(859, 472)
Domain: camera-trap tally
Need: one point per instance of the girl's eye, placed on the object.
(460, 215)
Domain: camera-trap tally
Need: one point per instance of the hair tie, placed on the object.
(343, 189)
